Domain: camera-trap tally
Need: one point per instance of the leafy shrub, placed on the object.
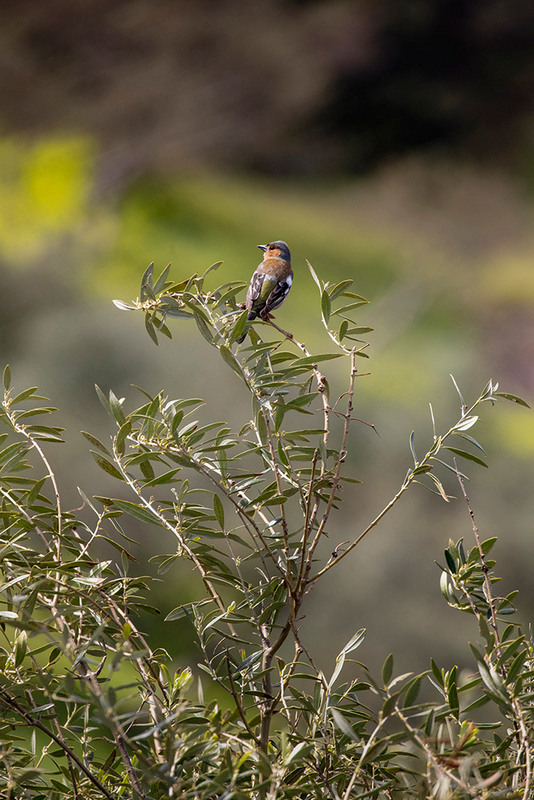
(91, 709)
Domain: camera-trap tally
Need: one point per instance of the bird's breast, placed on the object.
(276, 268)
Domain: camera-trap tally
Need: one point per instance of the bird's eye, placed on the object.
(271, 247)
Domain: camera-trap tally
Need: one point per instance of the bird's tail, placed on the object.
(251, 315)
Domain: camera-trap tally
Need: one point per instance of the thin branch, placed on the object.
(340, 461)
(173, 529)
(12, 703)
(522, 734)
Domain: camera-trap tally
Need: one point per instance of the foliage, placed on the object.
(90, 709)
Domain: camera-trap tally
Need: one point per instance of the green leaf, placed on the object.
(166, 477)
(343, 328)
(45, 434)
(218, 510)
(473, 441)
(25, 395)
(213, 267)
(326, 307)
(387, 669)
(450, 561)
(355, 641)
(512, 397)
(139, 512)
(96, 442)
(21, 647)
(116, 407)
(339, 288)
(203, 327)
(487, 544)
(314, 276)
(185, 610)
(309, 361)
(466, 455)
(298, 753)
(160, 283)
(106, 465)
(437, 673)
(150, 328)
(412, 446)
(343, 724)
(389, 704)
(354, 296)
(412, 691)
(302, 400)
(32, 495)
(147, 282)
(452, 692)
(230, 359)
(7, 377)
(120, 438)
(239, 327)
(517, 666)
(102, 397)
(439, 486)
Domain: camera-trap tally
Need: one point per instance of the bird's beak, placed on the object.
(263, 247)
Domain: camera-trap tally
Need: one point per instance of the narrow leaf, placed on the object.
(512, 397)
(230, 359)
(138, 512)
(106, 465)
(213, 267)
(466, 455)
(314, 275)
(218, 510)
(123, 306)
(325, 306)
(96, 442)
(387, 669)
(239, 327)
(160, 283)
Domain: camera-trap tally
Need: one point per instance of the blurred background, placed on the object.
(388, 142)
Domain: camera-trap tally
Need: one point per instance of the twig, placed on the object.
(12, 703)
(521, 732)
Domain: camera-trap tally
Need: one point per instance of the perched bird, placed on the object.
(270, 284)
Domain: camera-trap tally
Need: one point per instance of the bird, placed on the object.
(270, 284)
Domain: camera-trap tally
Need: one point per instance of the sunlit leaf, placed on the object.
(314, 276)
(123, 306)
(160, 283)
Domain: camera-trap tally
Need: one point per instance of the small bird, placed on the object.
(270, 284)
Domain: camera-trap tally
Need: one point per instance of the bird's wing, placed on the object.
(278, 294)
(259, 290)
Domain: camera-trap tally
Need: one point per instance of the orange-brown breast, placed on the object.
(277, 267)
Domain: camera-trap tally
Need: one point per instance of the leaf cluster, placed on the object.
(90, 708)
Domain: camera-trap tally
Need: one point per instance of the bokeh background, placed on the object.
(389, 142)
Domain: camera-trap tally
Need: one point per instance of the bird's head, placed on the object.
(276, 249)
